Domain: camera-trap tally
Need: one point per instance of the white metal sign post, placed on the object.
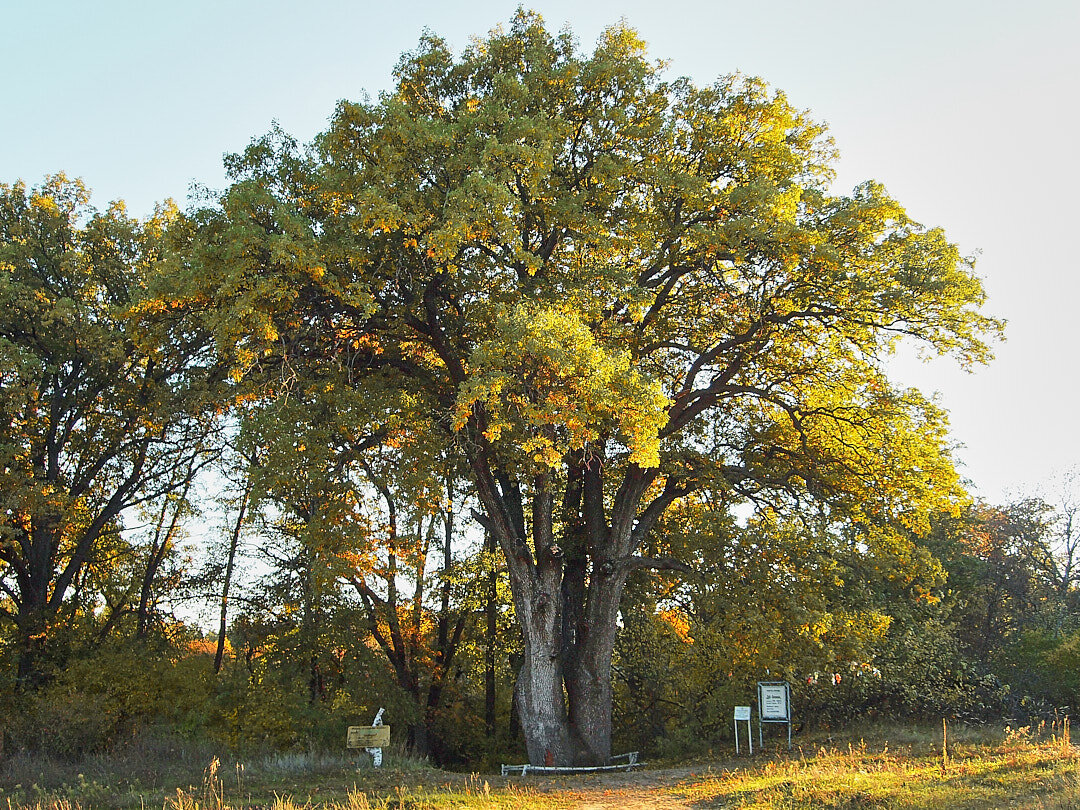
(774, 706)
(743, 713)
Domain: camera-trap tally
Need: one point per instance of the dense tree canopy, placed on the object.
(101, 410)
(606, 290)
(540, 336)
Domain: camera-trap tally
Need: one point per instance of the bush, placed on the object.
(102, 699)
(1044, 670)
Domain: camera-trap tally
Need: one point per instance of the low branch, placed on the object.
(482, 519)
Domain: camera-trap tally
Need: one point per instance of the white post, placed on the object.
(376, 753)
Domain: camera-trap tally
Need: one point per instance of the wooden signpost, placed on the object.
(368, 737)
(371, 738)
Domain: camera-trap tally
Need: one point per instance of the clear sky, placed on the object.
(965, 109)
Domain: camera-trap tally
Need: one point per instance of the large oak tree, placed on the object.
(604, 290)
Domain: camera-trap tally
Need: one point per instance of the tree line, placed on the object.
(542, 399)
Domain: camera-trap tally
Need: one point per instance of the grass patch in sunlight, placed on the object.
(887, 767)
(1017, 771)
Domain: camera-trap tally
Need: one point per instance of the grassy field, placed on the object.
(894, 767)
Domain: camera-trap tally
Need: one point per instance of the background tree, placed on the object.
(420, 632)
(105, 400)
(1007, 609)
(366, 511)
(1055, 552)
(226, 567)
(798, 598)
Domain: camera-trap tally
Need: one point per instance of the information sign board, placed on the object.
(774, 706)
(774, 702)
(367, 737)
(742, 714)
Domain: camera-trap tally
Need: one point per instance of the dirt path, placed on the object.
(637, 800)
(640, 790)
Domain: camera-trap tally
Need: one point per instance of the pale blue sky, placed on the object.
(966, 110)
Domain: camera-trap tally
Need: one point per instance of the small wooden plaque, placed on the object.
(368, 737)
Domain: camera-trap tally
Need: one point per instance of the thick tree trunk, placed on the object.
(588, 672)
(588, 687)
(34, 608)
(566, 599)
(541, 707)
(581, 736)
(32, 628)
(592, 590)
(536, 585)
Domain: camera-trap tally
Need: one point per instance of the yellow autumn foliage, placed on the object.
(547, 386)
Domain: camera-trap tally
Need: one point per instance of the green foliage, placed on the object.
(623, 308)
(919, 672)
(109, 697)
(1011, 599)
(589, 246)
(106, 399)
(256, 714)
(591, 286)
(855, 621)
(584, 387)
(1043, 669)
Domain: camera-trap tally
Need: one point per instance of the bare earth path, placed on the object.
(641, 790)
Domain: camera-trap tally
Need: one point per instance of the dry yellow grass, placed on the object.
(893, 768)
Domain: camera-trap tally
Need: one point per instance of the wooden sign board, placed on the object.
(368, 737)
